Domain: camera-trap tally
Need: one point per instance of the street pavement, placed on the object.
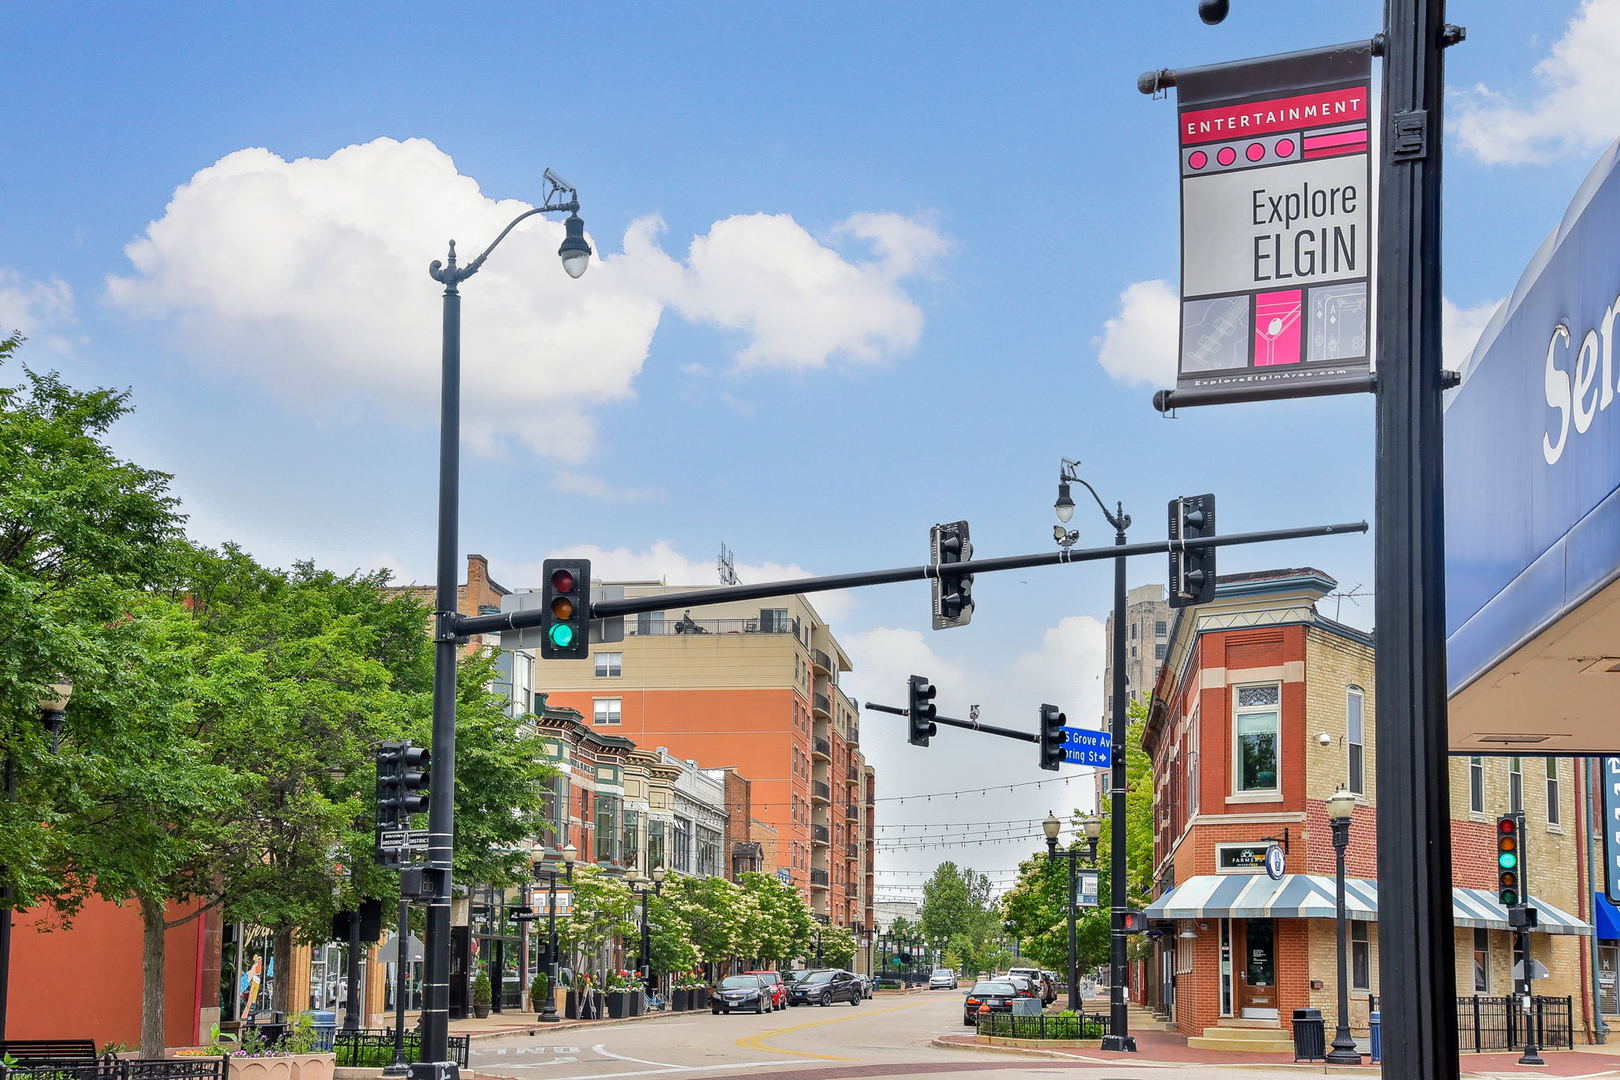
(892, 1035)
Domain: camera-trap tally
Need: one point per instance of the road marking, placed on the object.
(754, 1042)
(665, 1071)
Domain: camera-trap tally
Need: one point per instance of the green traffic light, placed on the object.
(562, 635)
(1507, 860)
(1508, 897)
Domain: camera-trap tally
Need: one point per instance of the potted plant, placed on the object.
(249, 1057)
(623, 994)
(539, 990)
(481, 994)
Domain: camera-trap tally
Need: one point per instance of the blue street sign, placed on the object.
(1084, 746)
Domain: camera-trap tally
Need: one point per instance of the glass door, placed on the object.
(1226, 967)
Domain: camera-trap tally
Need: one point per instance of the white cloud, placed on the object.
(1139, 344)
(309, 278)
(1577, 108)
(1460, 329)
(594, 487)
(41, 310)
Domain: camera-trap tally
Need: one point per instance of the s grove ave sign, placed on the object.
(1276, 200)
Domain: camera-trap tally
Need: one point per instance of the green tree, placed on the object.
(670, 938)
(601, 913)
(775, 920)
(958, 915)
(710, 908)
(837, 946)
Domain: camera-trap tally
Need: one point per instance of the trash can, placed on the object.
(325, 1028)
(1377, 1037)
(1310, 1040)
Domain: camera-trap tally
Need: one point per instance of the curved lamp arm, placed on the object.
(450, 275)
(1120, 520)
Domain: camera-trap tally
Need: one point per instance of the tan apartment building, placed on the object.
(754, 687)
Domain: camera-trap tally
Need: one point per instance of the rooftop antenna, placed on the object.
(728, 571)
(1340, 597)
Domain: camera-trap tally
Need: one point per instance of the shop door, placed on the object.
(1257, 971)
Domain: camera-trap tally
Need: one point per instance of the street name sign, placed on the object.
(1083, 746)
(1276, 226)
(403, 840)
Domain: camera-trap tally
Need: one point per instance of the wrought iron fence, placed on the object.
(1498, 1023)
(373, 1048)
(114, 1068)
(1045, 1026)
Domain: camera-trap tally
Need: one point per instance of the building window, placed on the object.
(1356, 739)
(1515, 785)
(1258, 722)
(1476, 785)
(630, 838)
(609, 665)
(554, 811)
(708, 852)
(605, 710)
(1482, 961)
(607, 828)
(1554, 816)
(1360, 955)
(1133, 631)
(1192, 768)
(1158, 651)
(1133, 650)
(655, 843)
(1160, 628)
(683, 845)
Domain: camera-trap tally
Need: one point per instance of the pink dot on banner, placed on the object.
(1256, 151)
(1285, 147)
(1226, 156)
(1197, 159)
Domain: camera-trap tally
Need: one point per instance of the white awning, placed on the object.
(1311, 896)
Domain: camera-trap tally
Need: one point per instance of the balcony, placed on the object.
(855, 733)
(821, 661)
(820, 792)
(852, 812)
(820, 834)
(634, 627)
(852, 851)
(820, 704)
(818, 878)
(852, 774)
(821, 747)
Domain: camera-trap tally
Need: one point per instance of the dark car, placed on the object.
(823, 987)
(773, 979)
(998, 994)
(741, 992)
(1046, 986)
(1026, 986)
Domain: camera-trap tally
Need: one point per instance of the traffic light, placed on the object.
(566, 614)
(1134, 922)
(1192, 570)
(921, 710)
(1052, 737)
(953, 592)
(1509, 862)
(388, 770)
(401, 773)
(413, 777)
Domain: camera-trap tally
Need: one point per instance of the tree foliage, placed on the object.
(776, 921)
(958, 916)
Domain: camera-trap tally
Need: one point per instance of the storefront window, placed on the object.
(1258, 719)
(1361, 955)
(1482, 961)
(1608, 964)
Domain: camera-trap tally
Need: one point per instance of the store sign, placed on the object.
(1276, 220)
(1241, 858)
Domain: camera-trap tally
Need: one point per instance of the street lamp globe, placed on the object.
(1064, 505)
(658, 873)
(569, 854)
(575, 252)
(1051, 825)
(1340, 805)
(54, 698)
(1091, 826)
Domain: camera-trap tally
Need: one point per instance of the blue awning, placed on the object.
(1606, 915)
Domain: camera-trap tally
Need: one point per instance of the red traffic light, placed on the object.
(563, 581)
(1507, 825)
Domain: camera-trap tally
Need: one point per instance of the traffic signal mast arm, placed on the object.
(971, 725)
(465, 625)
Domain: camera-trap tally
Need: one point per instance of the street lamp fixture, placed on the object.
(1339, 808)
(548, 1011)
(1092, 829)
(644, 886)
(448, 635)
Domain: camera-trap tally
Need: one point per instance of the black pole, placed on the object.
(401, 963)
(1531, 1055)
(351, 999)
(1414, 828)
(645, 963)
(441, 796)
(1074, 970)
(1344, 1050)
(1119, 1036)
(5, 913)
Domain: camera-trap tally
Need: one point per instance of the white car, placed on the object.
(942, 979)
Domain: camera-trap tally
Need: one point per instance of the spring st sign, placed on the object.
(1276, 220)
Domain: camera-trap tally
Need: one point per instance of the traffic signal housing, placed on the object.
(402, 771)
(1133, 921)
(1052, 737)
(566, 610)
(952, 592)
(921, 710)
(1192, 570)
(1509, 862)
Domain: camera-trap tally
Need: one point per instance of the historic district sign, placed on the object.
(1276, 233)
(1611, 827)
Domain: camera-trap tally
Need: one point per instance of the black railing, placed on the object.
(821, 746)
(373, 1048)
(852, 812)
(852, 851)
(820, 703)
(820, 790)
(818, 877)
(820, 833)
(852, 774)
(1498, 1023)
(114, 1068)
(1044, 1026)
(821, 659)
(659, 627)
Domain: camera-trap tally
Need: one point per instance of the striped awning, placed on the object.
(1311, 896)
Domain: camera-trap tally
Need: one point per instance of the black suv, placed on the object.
(823, 987)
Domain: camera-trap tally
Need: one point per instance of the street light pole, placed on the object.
(646, 887)
(447, 633)
(548, 1013)
(1339, 809)
(1118, 1037)
(1092, 829)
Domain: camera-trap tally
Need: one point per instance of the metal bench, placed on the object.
(55, 1049)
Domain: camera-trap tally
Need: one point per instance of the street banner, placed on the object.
(1085, 888)
(1611, 827)
(1276, 222)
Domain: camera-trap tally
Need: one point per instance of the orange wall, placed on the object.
(85, 982)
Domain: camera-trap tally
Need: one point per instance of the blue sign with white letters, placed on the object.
(1083, 746)
(1611, 827)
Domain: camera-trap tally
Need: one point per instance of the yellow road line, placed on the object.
(755, 1042)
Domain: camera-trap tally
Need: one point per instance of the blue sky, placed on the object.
(862, 268)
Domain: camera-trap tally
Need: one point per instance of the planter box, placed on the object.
(620, 1004)
(571, 1006)
(680, 1000)
(291, 1067)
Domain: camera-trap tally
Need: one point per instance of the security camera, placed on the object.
(1324, 739)
(1213, 11)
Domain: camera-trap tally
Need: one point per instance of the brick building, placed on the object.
(1264, 709)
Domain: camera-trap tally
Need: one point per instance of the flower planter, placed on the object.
(619, 1004)
(291, 1067)
(480, 1011)
(680, 1000)
(571, 1005)
(700, 999)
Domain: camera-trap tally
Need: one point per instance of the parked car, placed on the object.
(942, 979)
(996, 993)
(824, 986)
(773, 979)
(1045, 986)
(1024, 985)
(738, 992)
(789, 978)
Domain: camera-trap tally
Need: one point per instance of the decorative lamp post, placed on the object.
(645, 887)
(52, 702)
(548, 1012)
(1092, 829)
(1339, 808)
